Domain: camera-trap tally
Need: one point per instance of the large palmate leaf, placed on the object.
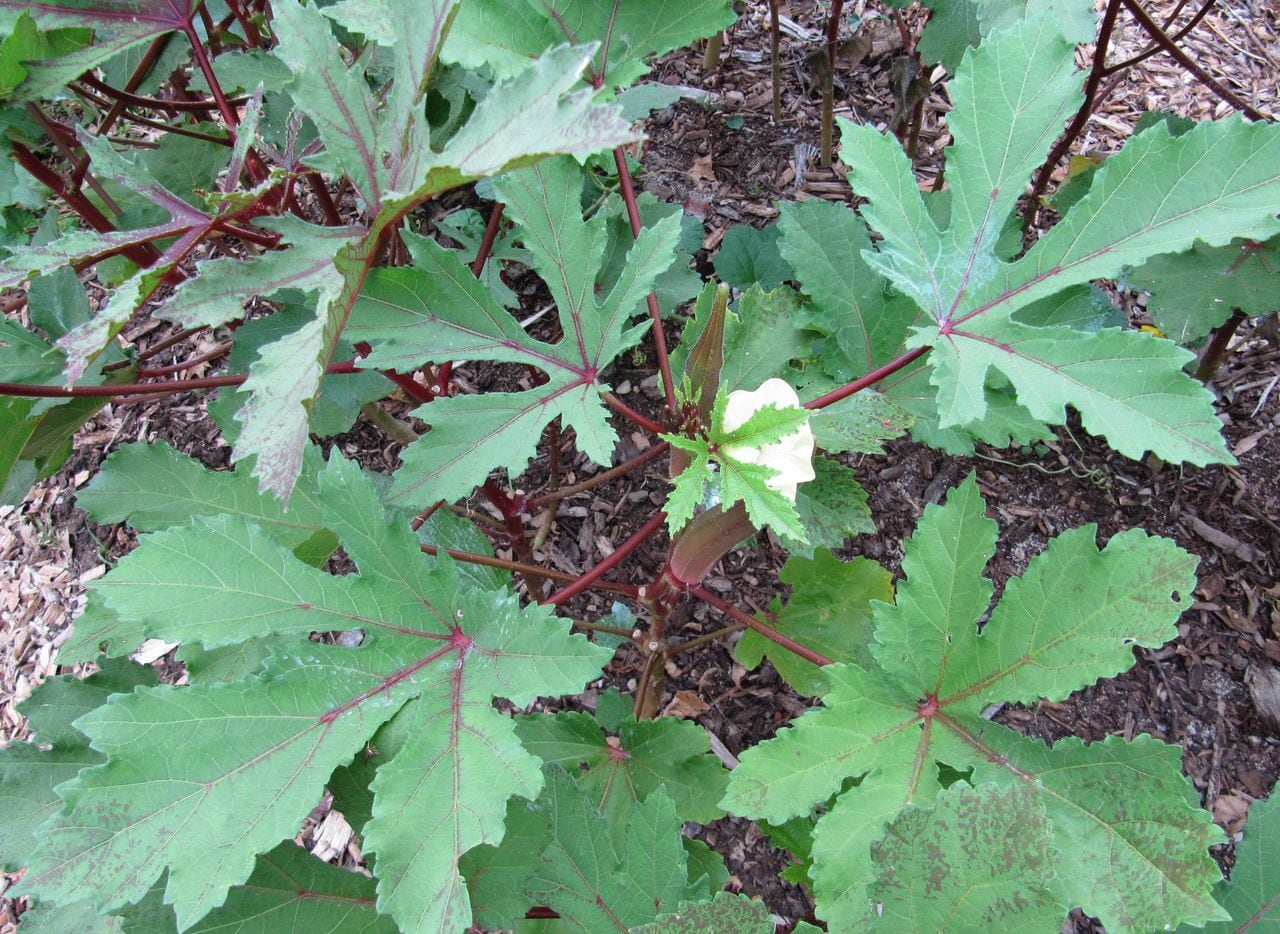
(630, 33)
(437, 310)
(117, 25)
(1072, 618)
(245, 761)
(1160, 194)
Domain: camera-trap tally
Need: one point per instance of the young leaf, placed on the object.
(1072, 618)
(829, 611)
(627, 767)
(594, 886)
(978, 855)
(247, 760)
(436, 310)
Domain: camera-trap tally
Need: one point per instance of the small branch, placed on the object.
(751, 622)
(140, 254)
(228, 112)
(704, 639)
(626, 590)
(655, 316)
(828, 85)
(486, 242)
(613, 473)
(1216, 352)
(1096, 72)
(626, 411)
(167, 387)
(775, 56)
(1154, 48)
(590, 577)
(1186, 61)
(598, 627)
(151, 103)
(214, 354)
(848, 389)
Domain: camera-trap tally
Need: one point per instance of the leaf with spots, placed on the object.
(246, 761)
(1073, 617)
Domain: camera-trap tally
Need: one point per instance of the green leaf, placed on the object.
(724, 914)
(749, 256)
(29, 771)
(979, 859)
(117, 25)
(594, 886)
(829, 612)
(1252, 894)
(1158, 195)
(832, 507)
(765, 505)
(859, 423)
(640, 757)
(289, 891)
(437, 310)
(155, 486)
(217, 293)
(679, 283)
(497, 876)
(1194, 292)
(1072, 618)
(246, 761)
(633, 33)
(761, 338)
(689, 487)
(865, 322)
(26, 44)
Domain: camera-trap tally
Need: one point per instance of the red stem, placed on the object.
(590, 577)
(626, 590)
(624, 468)
(626, 411)
(655, 315)
(1096, 71)
(750, 621)
(251, 34)
(1186, 61)
(141, 254)
(224, 106)
(151, 103)
(136, 389)
(848, 389)
(486, 242)
(1154, 48)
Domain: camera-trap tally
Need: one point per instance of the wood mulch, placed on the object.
(726, 161)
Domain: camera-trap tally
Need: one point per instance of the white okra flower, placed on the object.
(791, 456)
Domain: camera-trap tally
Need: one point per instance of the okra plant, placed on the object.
(267, 177)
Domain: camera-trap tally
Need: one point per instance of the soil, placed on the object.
(727, 161)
